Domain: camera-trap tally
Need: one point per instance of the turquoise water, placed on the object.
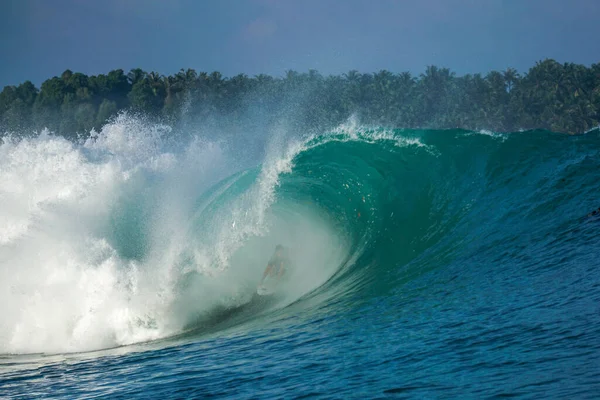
(428, 264)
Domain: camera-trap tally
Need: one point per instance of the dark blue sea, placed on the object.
(424, 264)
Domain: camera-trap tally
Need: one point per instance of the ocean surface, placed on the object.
(426, 264)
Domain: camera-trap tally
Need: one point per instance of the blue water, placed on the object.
(429, 264)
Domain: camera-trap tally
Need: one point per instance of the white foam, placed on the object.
(63, 282)
(485, 132)
(352, 131)
(247, 214)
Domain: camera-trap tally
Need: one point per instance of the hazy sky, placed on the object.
(41, 38)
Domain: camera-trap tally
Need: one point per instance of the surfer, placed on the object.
(277, 264)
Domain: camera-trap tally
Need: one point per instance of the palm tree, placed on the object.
(136, 75)
(511, 77)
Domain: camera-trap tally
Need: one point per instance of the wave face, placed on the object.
(460, 252)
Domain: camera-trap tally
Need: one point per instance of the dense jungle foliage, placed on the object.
(553, 96)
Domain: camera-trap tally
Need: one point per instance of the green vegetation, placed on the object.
(553, 96)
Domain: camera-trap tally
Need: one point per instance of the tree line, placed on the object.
(553, 96)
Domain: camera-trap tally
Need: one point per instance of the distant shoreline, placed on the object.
(551, 96)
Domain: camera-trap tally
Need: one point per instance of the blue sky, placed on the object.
(41, 38)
